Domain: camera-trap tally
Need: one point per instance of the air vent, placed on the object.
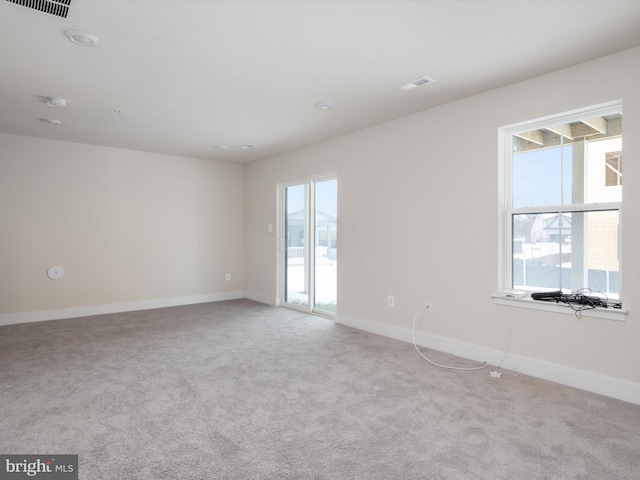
(418, 82)
(55, 8)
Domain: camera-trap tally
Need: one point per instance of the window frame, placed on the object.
(507, 211)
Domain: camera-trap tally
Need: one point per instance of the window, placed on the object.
(563, 194)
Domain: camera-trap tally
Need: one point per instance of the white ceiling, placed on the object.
(190, 75)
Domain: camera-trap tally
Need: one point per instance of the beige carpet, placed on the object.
(240, 390)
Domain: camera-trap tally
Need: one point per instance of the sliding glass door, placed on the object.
(310, 253)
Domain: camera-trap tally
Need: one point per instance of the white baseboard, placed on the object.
(85, 311)
(584, 380)
(258, 297)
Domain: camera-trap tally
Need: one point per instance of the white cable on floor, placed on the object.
(413, 337)
(500, 367)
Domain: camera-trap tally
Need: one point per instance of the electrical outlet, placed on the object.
(228, 277)
(391, 301)
(428, 306)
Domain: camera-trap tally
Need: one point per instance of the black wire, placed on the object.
(584, 299)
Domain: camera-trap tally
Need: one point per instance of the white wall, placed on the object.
(132, 229)
(418, 218)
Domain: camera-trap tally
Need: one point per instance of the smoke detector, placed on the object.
(83, 39)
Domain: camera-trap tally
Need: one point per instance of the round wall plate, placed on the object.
(55, 273)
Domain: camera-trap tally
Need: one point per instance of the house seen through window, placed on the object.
(613, 169)
(563, 207)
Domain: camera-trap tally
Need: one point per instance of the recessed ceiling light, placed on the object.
(50, 121)
(324, 105)
(221, 147)
(418, 82)
(83, 39)
(247, 146)
(57, 102)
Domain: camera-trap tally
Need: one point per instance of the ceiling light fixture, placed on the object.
(83, 39)
(247, 146)
(221, 147)
(324, 105)
(57, 102)
(418, 82)
(50, 121)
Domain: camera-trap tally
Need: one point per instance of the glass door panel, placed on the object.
(296, 270)
(325, 245)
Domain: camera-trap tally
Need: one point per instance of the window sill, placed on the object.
(528, 302)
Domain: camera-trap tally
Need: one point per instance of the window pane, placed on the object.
(595, 256)
(542, 177)
(567, 251)
(537, 252)
(568, 164)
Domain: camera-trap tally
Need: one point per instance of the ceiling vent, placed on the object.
(55, 8)
(418, 82)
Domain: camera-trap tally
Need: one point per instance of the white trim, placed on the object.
(592, 382)
(259, 297)
(582, 207)
(89, 310)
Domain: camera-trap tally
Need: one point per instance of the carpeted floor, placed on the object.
(240, 390)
